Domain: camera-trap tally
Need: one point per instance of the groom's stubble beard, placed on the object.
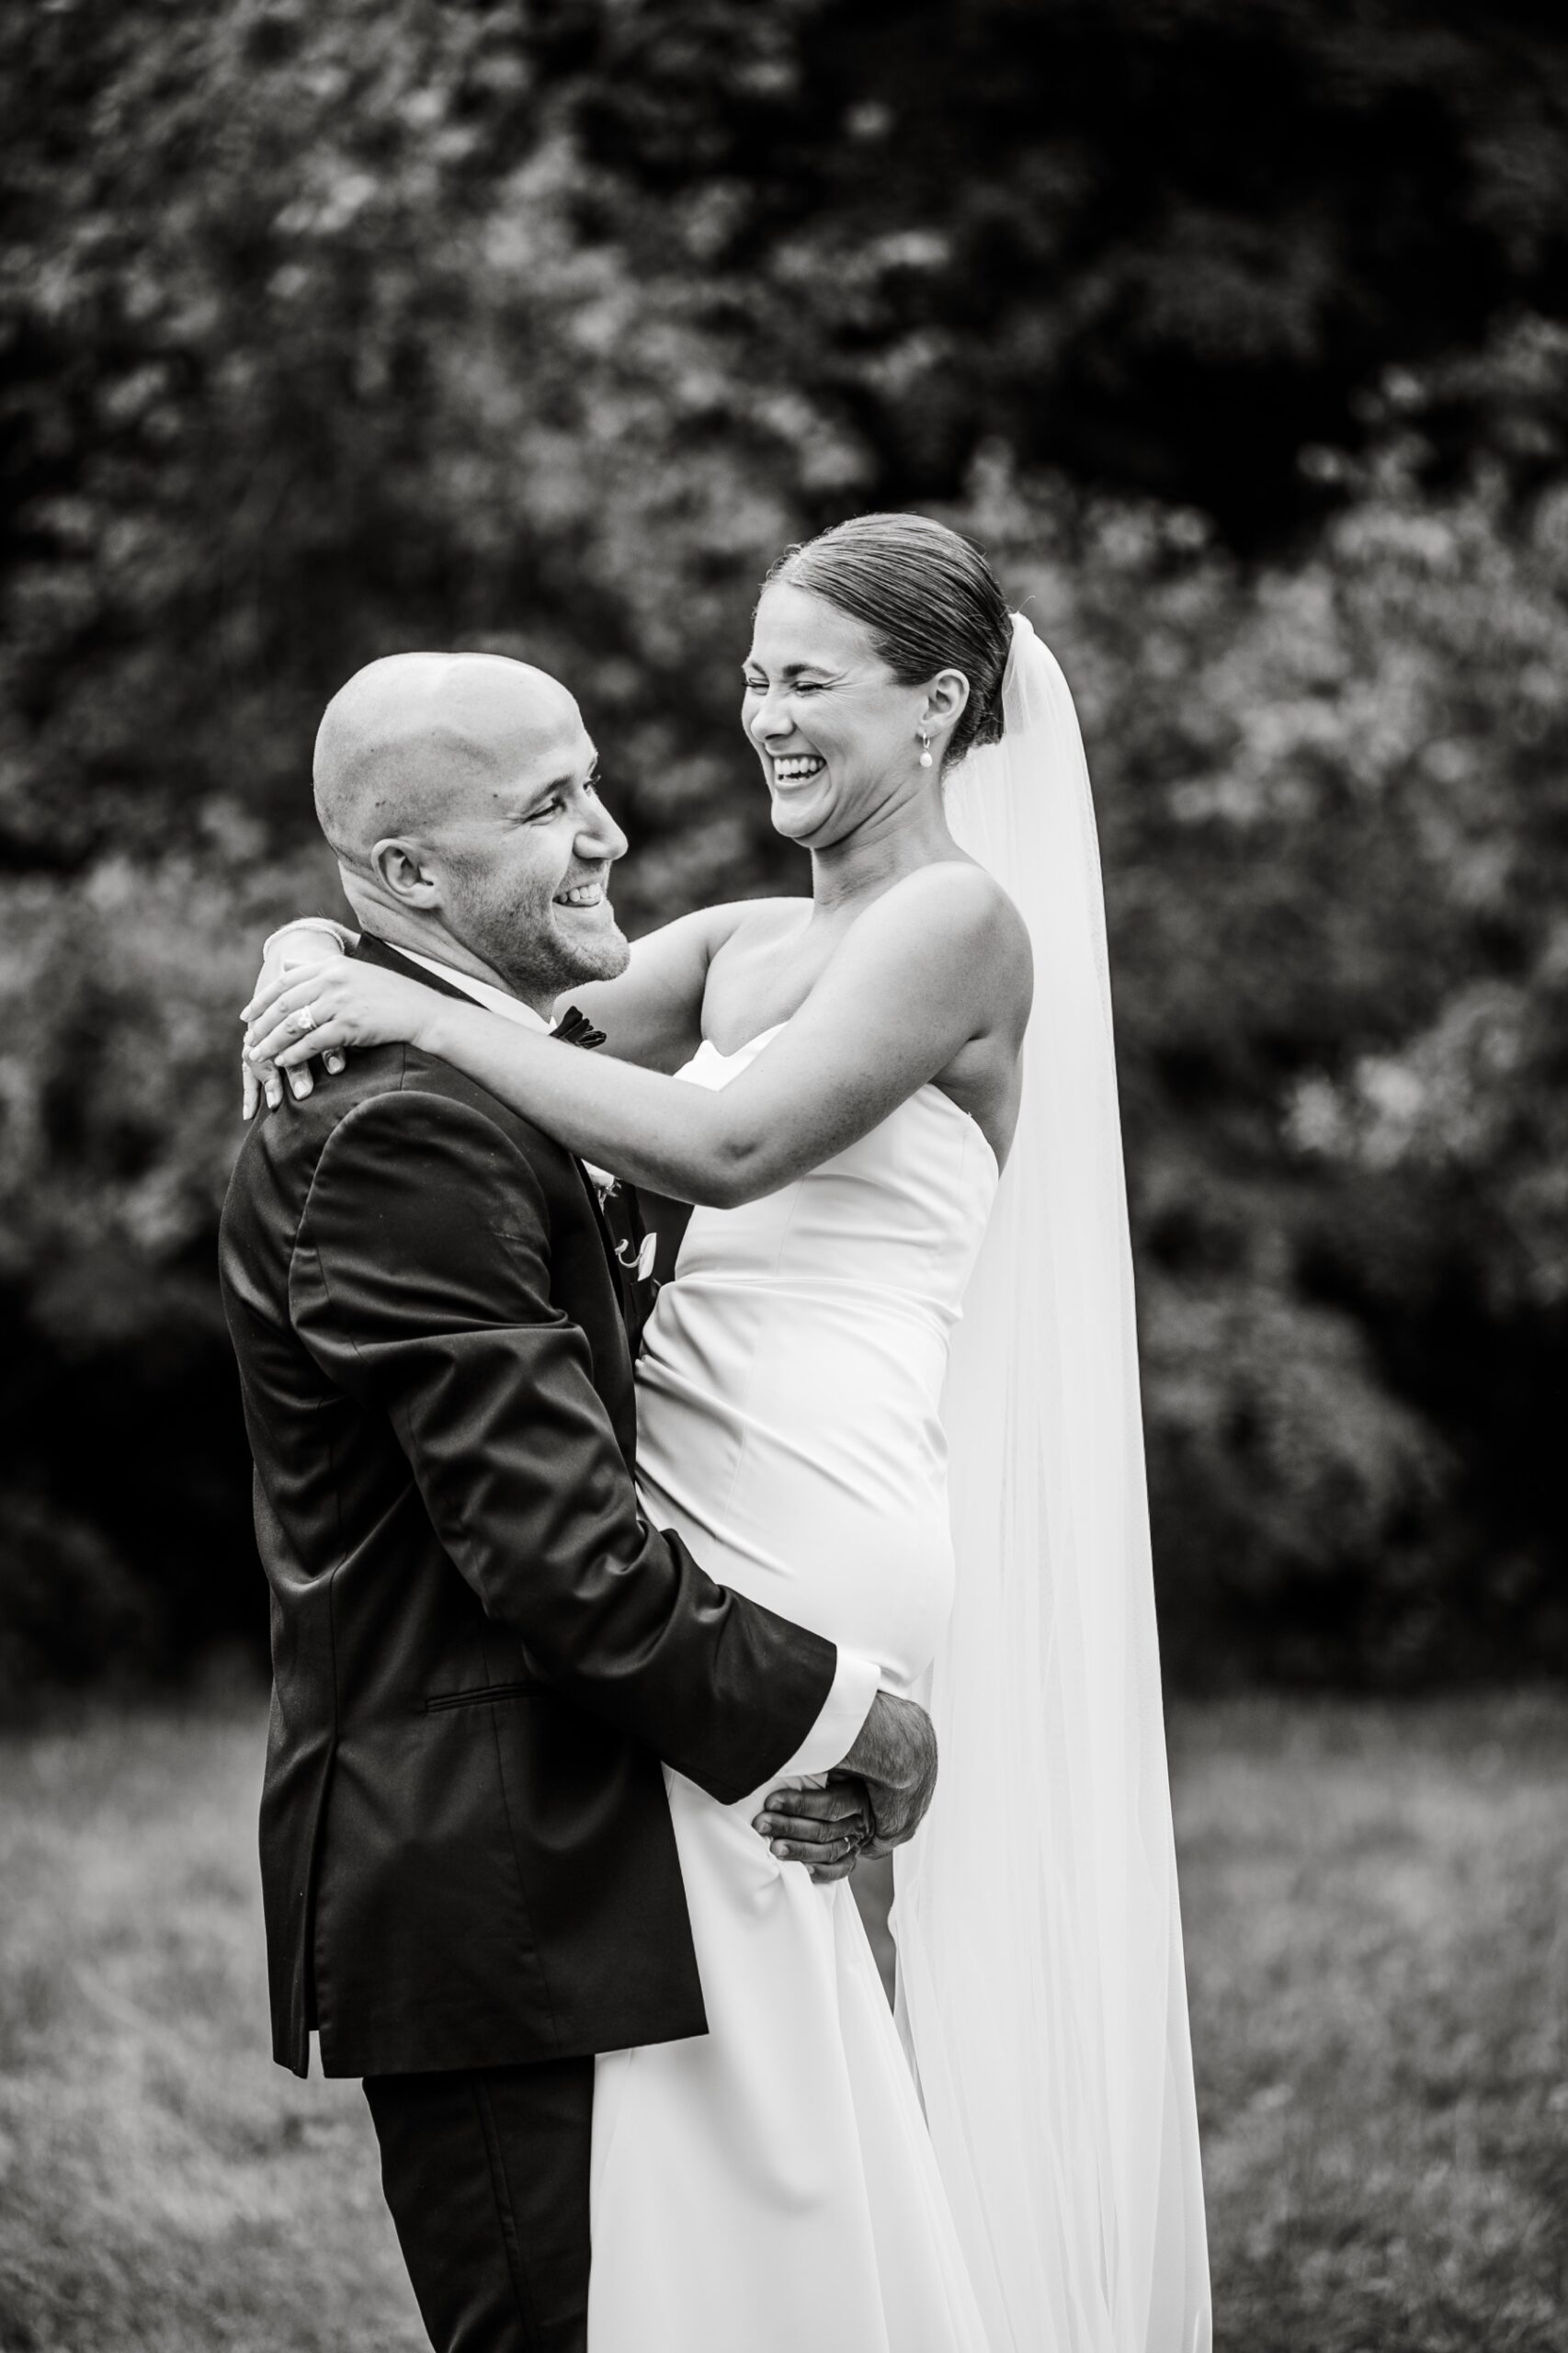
(520, 933)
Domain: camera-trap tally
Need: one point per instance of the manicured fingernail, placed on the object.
(335, 1064)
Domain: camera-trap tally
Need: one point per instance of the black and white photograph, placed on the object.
(783, 1176)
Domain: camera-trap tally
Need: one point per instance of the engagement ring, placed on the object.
(304, 1021)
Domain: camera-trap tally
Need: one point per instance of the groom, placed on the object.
(482, 1652)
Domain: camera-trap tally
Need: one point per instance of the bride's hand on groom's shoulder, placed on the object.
(311, 942)
(326, 1007)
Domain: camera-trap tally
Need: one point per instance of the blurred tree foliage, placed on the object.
(1231, 333)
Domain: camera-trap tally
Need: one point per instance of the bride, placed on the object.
(838, 1085)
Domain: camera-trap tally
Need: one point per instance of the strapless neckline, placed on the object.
(929, 1088)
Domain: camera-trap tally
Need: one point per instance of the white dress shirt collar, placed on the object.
(485, 992)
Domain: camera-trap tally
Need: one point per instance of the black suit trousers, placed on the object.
(486, 2173)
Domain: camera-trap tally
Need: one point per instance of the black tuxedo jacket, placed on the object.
(480, 1652)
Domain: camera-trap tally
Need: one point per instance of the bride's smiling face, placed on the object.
(837, 734)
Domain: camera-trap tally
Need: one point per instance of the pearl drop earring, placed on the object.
(925, 749)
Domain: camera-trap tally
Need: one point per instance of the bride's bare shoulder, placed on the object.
(956, 913)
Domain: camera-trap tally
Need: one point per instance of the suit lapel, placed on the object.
(573, 1029)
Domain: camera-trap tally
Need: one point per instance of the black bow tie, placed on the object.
(574, 1028)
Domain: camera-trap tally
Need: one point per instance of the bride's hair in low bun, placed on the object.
(929, 599)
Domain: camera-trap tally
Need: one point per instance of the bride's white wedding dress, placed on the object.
(772, 2187)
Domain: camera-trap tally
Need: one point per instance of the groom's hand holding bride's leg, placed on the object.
(824, 1824)
(871, 1802)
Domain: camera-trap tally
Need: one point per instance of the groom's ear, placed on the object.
(405, 871)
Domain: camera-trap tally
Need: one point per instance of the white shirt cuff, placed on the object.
(844, 1711)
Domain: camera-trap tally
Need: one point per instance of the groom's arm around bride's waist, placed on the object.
(421, 1286)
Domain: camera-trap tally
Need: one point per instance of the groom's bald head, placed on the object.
(459, 792)
(413, 740)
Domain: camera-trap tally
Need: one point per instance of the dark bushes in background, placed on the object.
(1230, 333)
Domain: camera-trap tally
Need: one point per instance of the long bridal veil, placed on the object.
(1041, 1977)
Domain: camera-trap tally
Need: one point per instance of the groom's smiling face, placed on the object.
(523, 852)
(460, 791)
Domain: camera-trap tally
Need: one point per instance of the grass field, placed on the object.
(1377, 1918)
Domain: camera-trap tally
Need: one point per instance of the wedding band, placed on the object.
(303, 1022)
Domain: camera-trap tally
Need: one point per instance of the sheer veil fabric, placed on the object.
(1042, 1987)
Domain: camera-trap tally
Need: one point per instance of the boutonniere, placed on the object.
(639, 1263)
